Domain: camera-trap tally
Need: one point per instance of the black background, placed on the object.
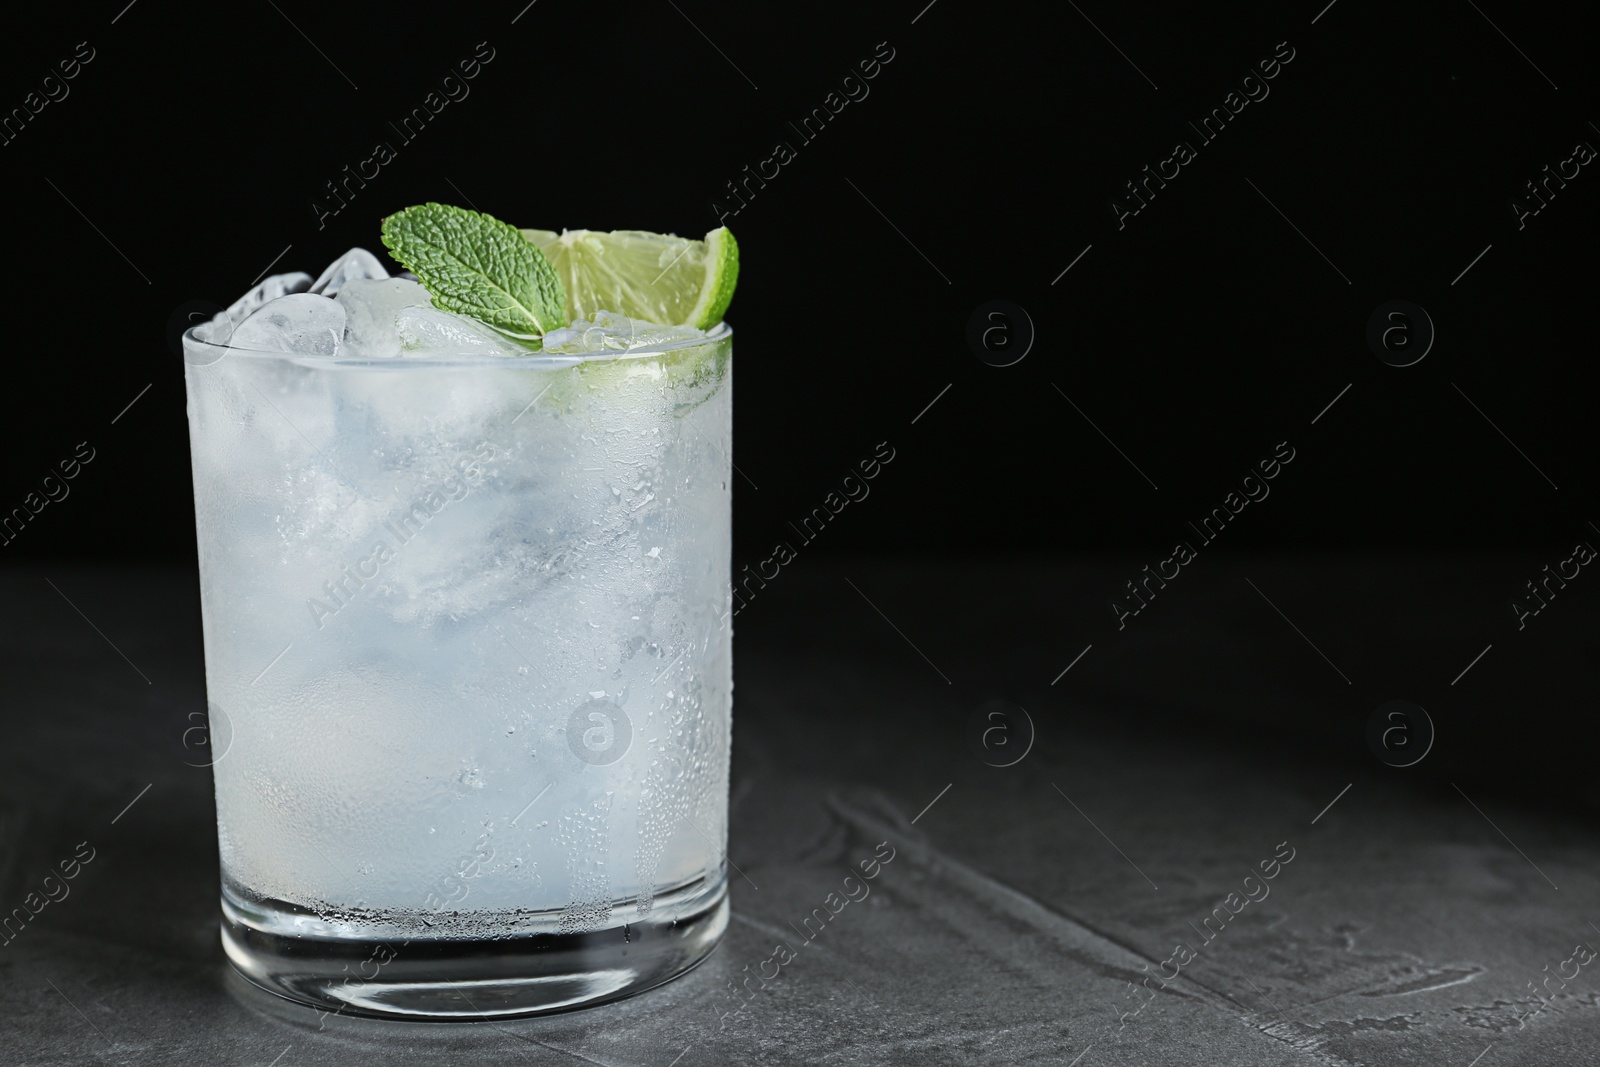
(1196, 338)
(1211, 327)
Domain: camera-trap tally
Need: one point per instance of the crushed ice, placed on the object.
(356, 309)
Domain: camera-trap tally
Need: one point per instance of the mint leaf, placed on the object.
(474, 264)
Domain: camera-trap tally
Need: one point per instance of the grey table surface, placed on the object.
(1022, 903)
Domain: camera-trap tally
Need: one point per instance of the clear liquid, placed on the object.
(467, 645)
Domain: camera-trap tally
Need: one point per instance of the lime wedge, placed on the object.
(661, 278)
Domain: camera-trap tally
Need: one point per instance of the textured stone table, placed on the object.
(1022, 903)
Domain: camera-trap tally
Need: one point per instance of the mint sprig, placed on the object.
(474, 264)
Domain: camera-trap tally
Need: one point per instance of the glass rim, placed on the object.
(192, 342)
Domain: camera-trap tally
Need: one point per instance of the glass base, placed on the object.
(282, 949)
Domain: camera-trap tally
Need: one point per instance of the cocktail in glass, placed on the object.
(468, 661)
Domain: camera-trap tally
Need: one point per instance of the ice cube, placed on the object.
(648, 334)
(302, 323)
(427, 331)
(223, 323)
(574, 340)
(370, 308)
(611, 332)
(354, 264)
